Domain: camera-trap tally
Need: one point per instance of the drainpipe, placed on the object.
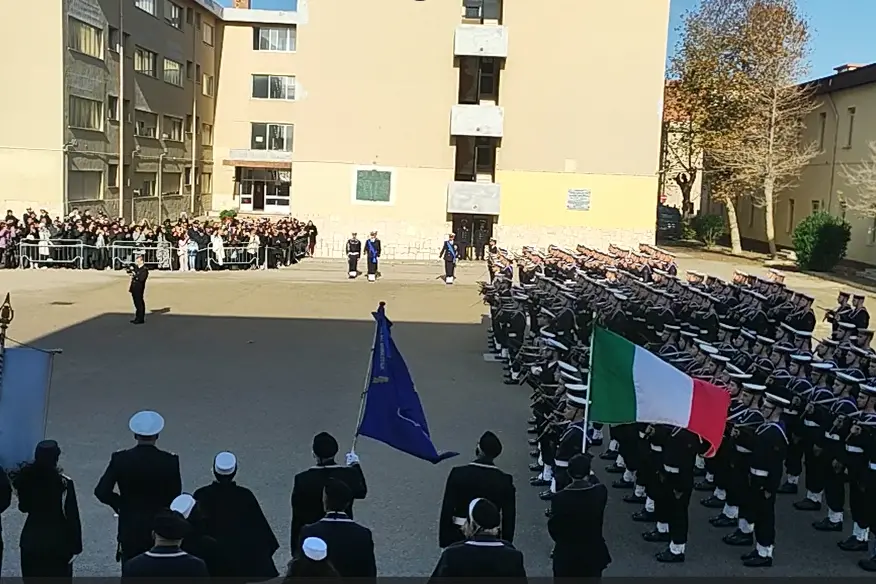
(161, 183)
(122, 115)
(833, 153)
(196, 83)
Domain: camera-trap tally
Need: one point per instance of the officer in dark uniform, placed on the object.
(309, 486)
(576, 524)
(350, 545)
(139, 274)
(859, 315)
(478, 479)
(482, 554)
(481, 234)
(354, 252)
(372, 246)
(5, 502)
(450, 254)
(465, 236)
(166, 558)
(838, 314)
(148, 480)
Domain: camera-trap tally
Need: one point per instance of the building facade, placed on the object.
(843, 126)
(412, 118)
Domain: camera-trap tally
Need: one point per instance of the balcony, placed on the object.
(247, 157)
(481, 40)
(487, 121)
(476, 198)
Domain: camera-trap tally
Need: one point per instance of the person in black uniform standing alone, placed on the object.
(148, 480)
(450, 254)
(166, 558)
(52, 533)
(575, 524)
(478, 479)
(354, 252)
(309, 486)
(139, 274)
(5, 502)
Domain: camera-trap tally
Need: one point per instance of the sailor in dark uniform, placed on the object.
(372, 247)
(859, 315)
(450, 254)
(767, 459)
(148, 479)
(354, 252)
(231, 514)
(166, 558)
(478, 479)
(482, 554)
(139, 274)
(196, 542)
(308, 486)
(572, 438)
(856, 463)
(838, 314)
(576, 524)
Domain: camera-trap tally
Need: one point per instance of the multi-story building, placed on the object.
(843, 126)
(409, 117)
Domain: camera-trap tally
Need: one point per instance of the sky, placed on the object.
(840, 28)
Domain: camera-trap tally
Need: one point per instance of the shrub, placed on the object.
(709, 228)
(687, 230)
(227, 214)
(820, 241)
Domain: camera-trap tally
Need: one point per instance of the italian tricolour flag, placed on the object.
(630, 384)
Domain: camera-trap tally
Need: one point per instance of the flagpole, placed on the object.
(364, 395)
(589, 377)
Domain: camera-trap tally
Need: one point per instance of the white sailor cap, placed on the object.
(547, 335)
(547, 312)
(753, 387)
(146, 423)
(709, 349)
(759, 296)
(315, 549)
(688, 334)
(868, 389)
(620, 296)
(225, 464)
(847, 325)
(556, 344)
(577, 400)
(823, 365)
(721, 358)
(672, 327)
(739, 376)
(748, 334)
(787, 327)
(801, 358)
(183, 505)
(570, 377)
(803, 334)
(765, 340)
(567, 367)
(734, 369)
(728, 327)
(520, 297)
(776, 400)
(846, 378)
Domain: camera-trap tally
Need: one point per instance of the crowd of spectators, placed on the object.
(95, 241)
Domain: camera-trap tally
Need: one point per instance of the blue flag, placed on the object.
(24, 401)
(393, 413)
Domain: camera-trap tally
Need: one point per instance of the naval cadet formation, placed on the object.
(797, 404)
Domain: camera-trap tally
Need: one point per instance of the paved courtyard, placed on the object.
(258, 362)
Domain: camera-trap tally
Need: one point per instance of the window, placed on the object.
(851, 112)
(485, 156)
(170, 183)
(188, 123)
(206, 183)
(126, 110)
(146, 6)
(144, 184)
(198, 74)
(187, 176)
(112, 108)
(277, 38)
(145, 124)
(273, 87)
(84, 38)
(206, 135)
(816, 205)
(114, 39)
(84, 185)
(373, 186)
(207, 34)
(274, 184)
(483, 9)
(190, 15)
(822, 125)
(790, 226)
(190, 69)
(173, 72)
(173, 129)
(145, 62)
(198, 20)
(85, 114)
(172, 14)
(112, 175)
(207, 83)
(276, 137)
(487, 85)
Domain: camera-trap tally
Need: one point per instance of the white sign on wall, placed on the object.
(578, 200)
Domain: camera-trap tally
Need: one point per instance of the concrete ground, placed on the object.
(258, 362)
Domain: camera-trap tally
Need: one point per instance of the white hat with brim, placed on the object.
(146, 423)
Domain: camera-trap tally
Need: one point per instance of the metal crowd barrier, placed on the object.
(235, 255)
(53, 252)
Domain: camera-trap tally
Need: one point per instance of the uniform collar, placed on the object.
(337, 516)
(165, 551)
(482, 540)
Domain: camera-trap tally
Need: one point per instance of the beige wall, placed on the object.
(31, 109)
(822, 182)
(376, 84)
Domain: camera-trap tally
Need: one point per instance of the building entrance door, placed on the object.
(472, 234)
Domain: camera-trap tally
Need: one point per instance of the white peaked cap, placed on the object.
(146, 423)
(225, 463)
(183, 505)
(315, 549)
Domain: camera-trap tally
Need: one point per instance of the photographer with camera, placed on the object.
(139, 274)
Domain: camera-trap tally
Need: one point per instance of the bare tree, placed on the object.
(682, 157)
(707, 66)
(767, 152)
(862, 178)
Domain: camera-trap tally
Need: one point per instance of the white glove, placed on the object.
(73, 559)
(352, 458)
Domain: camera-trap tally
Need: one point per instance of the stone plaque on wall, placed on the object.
(578, 200)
